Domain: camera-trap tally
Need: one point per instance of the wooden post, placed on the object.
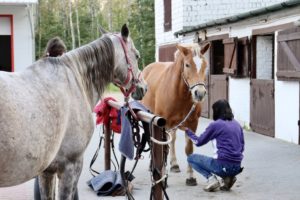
(107, 147)
(158, 162)
(157, 149)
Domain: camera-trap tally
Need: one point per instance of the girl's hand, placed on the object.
(185, 128)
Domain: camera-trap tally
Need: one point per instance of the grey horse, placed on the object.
(46, 119)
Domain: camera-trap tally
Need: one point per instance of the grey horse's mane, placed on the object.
(92, 63)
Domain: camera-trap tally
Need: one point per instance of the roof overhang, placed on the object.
(239, 17)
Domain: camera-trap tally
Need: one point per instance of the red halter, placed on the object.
(130, 74)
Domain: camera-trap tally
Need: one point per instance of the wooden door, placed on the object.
(262, 102)
(205, 103)
(262, 107)
(288, 59)
(218, 89)
(166, 53)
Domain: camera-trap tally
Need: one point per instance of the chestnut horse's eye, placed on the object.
(187, 65)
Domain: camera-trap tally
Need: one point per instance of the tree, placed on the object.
(55, 18)
(143, 29)
(77, 23)
(71, 25)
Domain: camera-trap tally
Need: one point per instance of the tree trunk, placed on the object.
(140, 32)
(77, 23)
(64, 18)
(92, 13)
(110, 14)
(71, 24)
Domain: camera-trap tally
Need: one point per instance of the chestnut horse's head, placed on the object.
(193, 69)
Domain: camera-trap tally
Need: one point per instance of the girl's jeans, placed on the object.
(208, 166)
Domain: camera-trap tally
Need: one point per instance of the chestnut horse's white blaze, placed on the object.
(46, 117)
(173, 88)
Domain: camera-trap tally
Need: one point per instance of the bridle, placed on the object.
(190, 87)
(187, 83)
(130, 74)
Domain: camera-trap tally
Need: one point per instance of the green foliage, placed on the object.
(246, 127)
(112, 88)
(54, 20)
(142, 26)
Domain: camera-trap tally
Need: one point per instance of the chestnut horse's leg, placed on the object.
(46, 182)
(173, 160)
(190, 181)
(69, 178)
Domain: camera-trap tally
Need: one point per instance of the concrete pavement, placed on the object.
(271, 172)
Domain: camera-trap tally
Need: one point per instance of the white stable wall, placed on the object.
(286, 107)
(201, 11)
(287, 110)
(239, 99)
(162, 37)
(24, 50)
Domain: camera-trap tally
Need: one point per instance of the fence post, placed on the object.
(158, 162)
(157, 149)
(107, 156)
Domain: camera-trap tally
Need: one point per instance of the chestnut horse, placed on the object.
(46, 119)
(173, 88)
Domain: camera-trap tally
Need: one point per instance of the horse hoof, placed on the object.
(191, 181)
(175, 169)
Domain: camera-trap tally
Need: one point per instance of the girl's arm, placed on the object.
(209, 134)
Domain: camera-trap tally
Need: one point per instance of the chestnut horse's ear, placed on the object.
(183, 50)
(205, 48)
(125, 32)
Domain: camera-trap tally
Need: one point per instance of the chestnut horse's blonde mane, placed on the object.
(194, 47)
(196, 50)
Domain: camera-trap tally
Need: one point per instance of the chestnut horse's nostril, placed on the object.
(199, 95)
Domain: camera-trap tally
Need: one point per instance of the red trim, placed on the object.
(11, 39)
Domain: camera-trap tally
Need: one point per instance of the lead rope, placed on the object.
(94, 172)
(186, 117)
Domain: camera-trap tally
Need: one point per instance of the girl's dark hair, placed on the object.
(55, 47)
(222, 110)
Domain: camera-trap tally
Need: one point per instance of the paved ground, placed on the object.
(271, 172)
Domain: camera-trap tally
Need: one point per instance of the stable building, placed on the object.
(17, 46)
(255, 64)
